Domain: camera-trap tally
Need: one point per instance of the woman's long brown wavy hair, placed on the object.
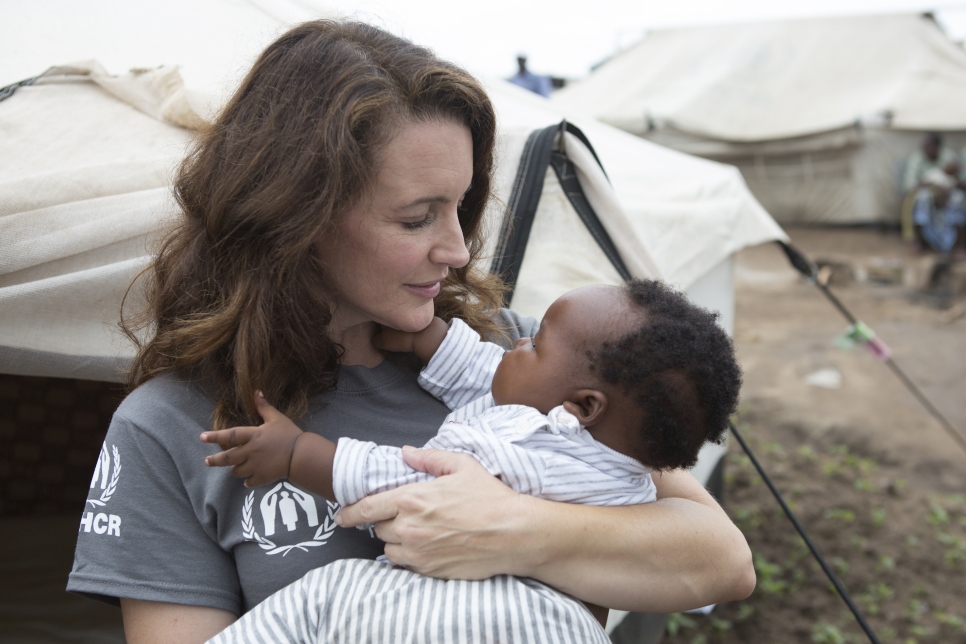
(238, 296)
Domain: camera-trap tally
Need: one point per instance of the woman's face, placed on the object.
(391, 252)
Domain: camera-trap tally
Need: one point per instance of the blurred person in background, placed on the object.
(938, 214)
(931, 156)
(528, 80)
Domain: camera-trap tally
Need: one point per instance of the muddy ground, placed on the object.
(875, 480)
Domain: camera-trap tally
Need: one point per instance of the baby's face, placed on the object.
(545, 370)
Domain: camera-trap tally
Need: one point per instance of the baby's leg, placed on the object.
(356, 600)
(290, 615)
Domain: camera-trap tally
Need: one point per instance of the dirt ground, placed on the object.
(875, 480)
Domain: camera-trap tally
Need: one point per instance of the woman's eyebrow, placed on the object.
(432, 199)
(424, 200)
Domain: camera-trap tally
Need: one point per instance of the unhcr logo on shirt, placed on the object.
(282, 510)
(107, 473)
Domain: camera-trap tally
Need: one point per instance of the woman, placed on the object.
(343, 187)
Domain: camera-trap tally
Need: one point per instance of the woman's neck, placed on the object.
(357, 342)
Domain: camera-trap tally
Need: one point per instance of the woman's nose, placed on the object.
(450, 249)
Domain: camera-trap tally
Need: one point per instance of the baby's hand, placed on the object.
(394, 340)
(260, 454)
(423, 343)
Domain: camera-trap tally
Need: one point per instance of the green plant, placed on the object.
(676, 621)
(808, 453)
(769, 576)
(886, 563)
(775, 449)
(949, 619)
(878, 516)
(874, 595)
(921, 631)
(937, 515)
(825, 633)
(915, 609)
(720, 626)
(840, 565)
(955, 548)
(748, 519)
(831, 468)
(839, 514)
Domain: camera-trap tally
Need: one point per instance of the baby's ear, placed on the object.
(588, 405)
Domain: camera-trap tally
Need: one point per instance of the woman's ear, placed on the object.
(588, 405)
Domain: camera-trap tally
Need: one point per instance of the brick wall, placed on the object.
(51, 430)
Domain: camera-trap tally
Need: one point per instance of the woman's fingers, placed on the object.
(452, 527)
(371, 509)
(437, 462)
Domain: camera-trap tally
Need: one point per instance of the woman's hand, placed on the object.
(458, 526)
(677, 553)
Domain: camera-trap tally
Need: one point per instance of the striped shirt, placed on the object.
(357, 601)
(550, 456)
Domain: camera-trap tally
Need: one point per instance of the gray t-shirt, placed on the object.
(161, 526)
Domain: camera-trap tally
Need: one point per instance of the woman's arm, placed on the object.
(678, 553)
(161, 623)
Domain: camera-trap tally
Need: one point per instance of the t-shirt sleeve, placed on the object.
(140, 536)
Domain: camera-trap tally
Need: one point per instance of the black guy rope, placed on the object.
(810, 271)
(808, 542)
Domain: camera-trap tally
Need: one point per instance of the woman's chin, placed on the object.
(418, 321)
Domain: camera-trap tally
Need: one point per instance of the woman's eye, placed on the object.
(416, 225)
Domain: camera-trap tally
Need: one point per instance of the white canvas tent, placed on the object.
(88, 159)
(818, 114)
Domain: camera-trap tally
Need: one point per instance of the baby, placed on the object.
(617, 382)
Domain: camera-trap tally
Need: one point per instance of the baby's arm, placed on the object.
(423, 343)
(275, 450)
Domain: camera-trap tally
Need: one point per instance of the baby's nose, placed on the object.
(522, 342)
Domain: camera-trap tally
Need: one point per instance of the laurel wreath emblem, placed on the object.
(112, 486)
(326, 528)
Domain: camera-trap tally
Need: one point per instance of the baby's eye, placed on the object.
(533, 342)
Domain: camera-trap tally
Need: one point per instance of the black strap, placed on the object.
(7, 92)
(567, 175)
(524, 198)
(538, 153)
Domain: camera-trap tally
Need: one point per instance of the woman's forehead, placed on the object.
(425, 160)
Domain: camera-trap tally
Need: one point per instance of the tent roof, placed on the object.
(80, 206)
(775, 80)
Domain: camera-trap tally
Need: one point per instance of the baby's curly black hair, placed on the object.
(679, 367)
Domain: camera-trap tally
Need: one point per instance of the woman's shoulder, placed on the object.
(165, 401)
(514, 325)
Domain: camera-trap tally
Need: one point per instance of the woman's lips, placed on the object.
(429, 290)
